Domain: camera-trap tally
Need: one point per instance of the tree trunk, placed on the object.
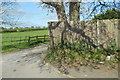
(61, 12)
(74, 9)
(60, 9)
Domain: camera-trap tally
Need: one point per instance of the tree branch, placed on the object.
(54, 4)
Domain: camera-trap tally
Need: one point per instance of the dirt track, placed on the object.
(27, 63)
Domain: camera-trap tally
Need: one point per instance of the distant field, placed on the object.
(27, 33)
(7, 37)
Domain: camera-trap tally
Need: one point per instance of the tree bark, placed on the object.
(60, 9)
(74, 10)
(61, 12)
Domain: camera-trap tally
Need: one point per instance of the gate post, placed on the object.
(29, 40)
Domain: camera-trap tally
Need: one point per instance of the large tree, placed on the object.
(74, 14)
(75, 8)
(60, 9)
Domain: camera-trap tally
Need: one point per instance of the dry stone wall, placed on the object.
(100, 32)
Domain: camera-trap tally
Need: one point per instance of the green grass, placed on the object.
(6, 46)
(27, 33)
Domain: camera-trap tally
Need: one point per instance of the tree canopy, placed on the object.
(109, 14)
(79, 8)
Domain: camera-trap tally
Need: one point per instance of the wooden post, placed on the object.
(20, 39)
(37, 38)
(11, 41)
(44, 38)
(29, 40)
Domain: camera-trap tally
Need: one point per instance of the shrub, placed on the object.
(76, 53)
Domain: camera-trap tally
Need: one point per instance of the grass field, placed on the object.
(9, 46)
(27, 33)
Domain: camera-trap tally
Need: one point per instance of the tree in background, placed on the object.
(109, 14)
(9, 13)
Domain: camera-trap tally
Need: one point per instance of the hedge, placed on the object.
(21, 30)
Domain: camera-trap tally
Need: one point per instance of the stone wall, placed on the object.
(98, 33)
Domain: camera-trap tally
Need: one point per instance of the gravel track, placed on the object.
(27, 63)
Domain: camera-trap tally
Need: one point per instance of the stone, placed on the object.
(14, 70)
(77, 69)
(107, 58)
(101, 62)
(96, 67)
(66, 71)
(61, 69)
(85, 75)
(18, 61)
(112, 57)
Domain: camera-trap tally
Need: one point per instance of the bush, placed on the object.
(9, 30)
(76, 54)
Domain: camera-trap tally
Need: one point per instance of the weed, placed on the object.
(78, 53)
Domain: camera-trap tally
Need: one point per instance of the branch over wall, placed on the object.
(97, 33)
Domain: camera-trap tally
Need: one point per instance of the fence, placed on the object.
(13, 39)
(28, 39)
(37, 39)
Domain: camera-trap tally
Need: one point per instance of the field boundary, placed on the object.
(38, 38)
(28, 39)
